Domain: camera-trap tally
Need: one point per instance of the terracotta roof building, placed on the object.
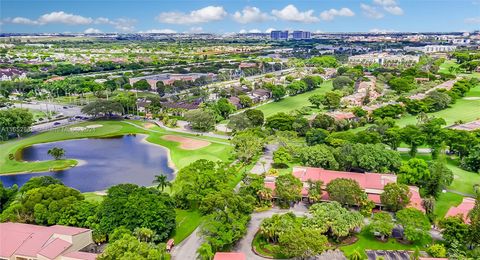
(463, 209)
(372, 183)
(24, 241)
(229, 256)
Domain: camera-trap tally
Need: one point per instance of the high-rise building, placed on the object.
(279, 35)
(301, 35)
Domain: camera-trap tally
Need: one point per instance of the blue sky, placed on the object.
(238, 15)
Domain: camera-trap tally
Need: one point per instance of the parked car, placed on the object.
(56, 123)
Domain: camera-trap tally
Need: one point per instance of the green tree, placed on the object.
(318, 156)
(56, 153)
(103, 107)
(287, 189)
(415, 224)
(129, 247)
(141, 85)
(245, 101)
(471, 162)
(415, 172)
(315, 190)
(345, 191)
(440, 178)
(132, 206)
(15, 121)
(255, 116)
(437, 250)
(247, 145)
(239, 122)
(7, 195)
(316, 136)
(316, 100)
(381, 224)
(205, 251)
(281, 122)
(303, 243)
(341, 82)
(201, 119)
(224, 108)
(395, 196)
(414, 137)
(162, 182)
(331, 100)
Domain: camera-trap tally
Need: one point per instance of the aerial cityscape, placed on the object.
(238, 130)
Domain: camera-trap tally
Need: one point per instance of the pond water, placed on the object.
(105, 162)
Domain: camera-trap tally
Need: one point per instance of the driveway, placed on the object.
(266, 158)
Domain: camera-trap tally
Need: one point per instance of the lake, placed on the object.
(105, 162)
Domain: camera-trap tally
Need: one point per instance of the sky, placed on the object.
(233, 16)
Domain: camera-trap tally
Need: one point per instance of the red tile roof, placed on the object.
(30, 240)
(372, 183)
(229, 256)
(54, 248)
(462, 209)
(81, 255)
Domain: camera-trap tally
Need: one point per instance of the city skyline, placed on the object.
(238, 17)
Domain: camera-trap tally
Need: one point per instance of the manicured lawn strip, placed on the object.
(444, 202)
(92, 196)
(367, 241)
(187, 222)
(294, 102)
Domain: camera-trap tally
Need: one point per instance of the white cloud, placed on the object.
(385, 2)
(251, 15)
(375, 30)
(122, 24)
(318, 31)
(65, 18)
(395, 10)
(473, 20)
(390, 6)
(195, 29)
(371, 12)
(269, 30)
(23, 20)
(250, 31)
(292, 14)
(92, 30)
(169, 31)
(203, 15)
(329, 15)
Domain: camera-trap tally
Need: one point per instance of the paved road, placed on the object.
(49, 107)
(245, 245)
(267, 158)
(419, 150)
(187, 249)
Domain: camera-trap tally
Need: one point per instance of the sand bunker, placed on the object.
(148, 125)
(93, 126)
(471, 98)
(77, 129)
(186, 143)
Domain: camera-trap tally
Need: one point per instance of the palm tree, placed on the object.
(205, 251)
(56, 153)
(162, 182)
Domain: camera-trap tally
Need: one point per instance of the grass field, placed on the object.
(445, 201)
(294, 102)
(464, 109)
(187, 222)
(217, 150)
(367, 241)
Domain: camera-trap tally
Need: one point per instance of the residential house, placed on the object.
(372, 183)
(462, 210)
(229, 256)
(235, 101)
(12, 73)
(31, 242)
(260, 95)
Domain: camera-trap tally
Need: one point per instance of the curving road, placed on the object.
(245, 245)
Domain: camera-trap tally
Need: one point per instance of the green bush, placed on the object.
(437, 250)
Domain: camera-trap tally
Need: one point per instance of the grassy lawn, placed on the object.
(464, 109)
(92, 196)
(294, 102)
(187, 222)
(367, 241)
(217, 150)
(445, 201)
